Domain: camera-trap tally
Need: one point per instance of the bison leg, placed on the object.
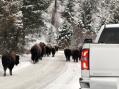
(40, 57)
(76, 59)
(52, 55)
(34, 58)
(5, 68)
(68, 58)
(10, 71)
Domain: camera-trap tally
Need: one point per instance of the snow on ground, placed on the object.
(49, 73)
(68, 79)
(25, 61)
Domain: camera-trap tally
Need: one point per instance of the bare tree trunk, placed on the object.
(53, 19)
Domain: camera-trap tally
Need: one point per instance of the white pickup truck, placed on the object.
(100, 60)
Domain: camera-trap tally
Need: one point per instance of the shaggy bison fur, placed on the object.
(48, 50)
(43, 50)
(56, 47)
(67, 53)
(36, 53)
(9, 60)
(53, 50)
(75, 55)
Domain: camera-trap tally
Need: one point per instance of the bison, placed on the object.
(43, 52)
(9, 60)
(56, 47)
(80, 50)
(48, 50)
(67, 53)
(75, 55)
(53, 51)
(36, 53)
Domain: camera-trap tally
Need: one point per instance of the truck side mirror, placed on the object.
(88, 41)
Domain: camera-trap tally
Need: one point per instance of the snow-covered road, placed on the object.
(50, 73)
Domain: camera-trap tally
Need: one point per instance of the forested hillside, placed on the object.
(63, 22)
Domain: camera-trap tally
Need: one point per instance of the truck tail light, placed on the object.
(85, 59)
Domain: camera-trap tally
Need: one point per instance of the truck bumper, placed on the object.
(84, 83)
(99, 83)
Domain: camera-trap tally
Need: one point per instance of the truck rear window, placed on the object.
(110, 35)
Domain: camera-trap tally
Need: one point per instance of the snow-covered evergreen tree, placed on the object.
(35, 19)
(114, 10)
(32, 13)
(11, 26)
(65, 34)
(72, 20)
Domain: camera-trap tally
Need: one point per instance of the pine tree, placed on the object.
(114, 11)
(11, 26)
(86, 15)
(32, 13)
(65, 34)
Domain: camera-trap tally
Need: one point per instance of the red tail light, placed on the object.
(85, 59)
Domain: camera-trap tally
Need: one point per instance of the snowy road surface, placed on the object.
(50, 73)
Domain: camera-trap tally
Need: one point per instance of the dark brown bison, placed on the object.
(75, 54)
(56, 47)
(9, 60)
(67, 53)
(35, 53)
(80, 50)
(43, 52)
(48, 49)
(53, 51)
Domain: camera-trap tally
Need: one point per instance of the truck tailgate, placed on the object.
(104, 60)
